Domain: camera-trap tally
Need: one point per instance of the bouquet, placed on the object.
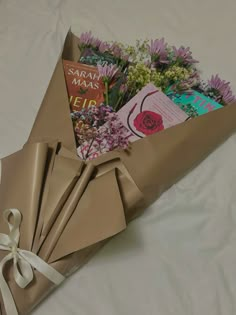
(91, 165)
(124, 107)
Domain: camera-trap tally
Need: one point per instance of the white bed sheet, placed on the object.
(179, 258)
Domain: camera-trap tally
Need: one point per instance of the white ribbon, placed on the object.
(23, 261)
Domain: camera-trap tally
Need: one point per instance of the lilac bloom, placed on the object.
(95, 42)
(183, 55)
(104, 46)
(222, 88)
(216, 83)
(105, 132)
(116, 50)
(107, 72)
(158, 50)
(86, 38)
(228, 96)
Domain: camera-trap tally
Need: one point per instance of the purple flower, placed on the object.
(222, 89)
(86, 38)
(104, 46)
(216, 83)
(107, 72)
(183, 56)
(158, 50)
(115, 50)
(95, 42)
(99, 130)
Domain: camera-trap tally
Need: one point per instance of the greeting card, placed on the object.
(150, 111)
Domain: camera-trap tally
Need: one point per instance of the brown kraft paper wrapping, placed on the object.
(71, 208)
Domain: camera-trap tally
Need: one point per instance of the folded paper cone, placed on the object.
(67, 216)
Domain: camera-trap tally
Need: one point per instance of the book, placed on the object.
(84, 85)
(193, 102)
(93, 57)
(150, 111)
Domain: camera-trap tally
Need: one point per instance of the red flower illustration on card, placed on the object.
(148, 122)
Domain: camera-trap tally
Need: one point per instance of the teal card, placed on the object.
(200, 103)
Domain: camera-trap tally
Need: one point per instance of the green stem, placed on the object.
(118, 103)
(106, 92)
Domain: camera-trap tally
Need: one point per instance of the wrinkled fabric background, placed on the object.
(179, 258)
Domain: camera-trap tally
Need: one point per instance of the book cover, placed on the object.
(150, 111)
(91, 57)
(84, 85)
(193, 103)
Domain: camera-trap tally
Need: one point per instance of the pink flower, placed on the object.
(222, 88)
(104, 46)
(86, 38)
(104, 132)
(115, 50)
(95, 42)
(158, 50)
(183, 56)
(107, 72)
(216, 83)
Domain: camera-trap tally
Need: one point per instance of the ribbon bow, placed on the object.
(23, 261)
